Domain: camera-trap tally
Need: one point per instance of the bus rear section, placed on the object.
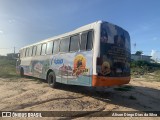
(113, 62)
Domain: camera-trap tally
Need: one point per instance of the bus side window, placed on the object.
(38, 49)
(89, 40)
(56, 47)
(21, 53)
(43, 49)
(27, 52)
(30, 51)
(24, 52)
(64, 45)
(74, 43)
(50, 48)
(83, 41)
(34, 50)
(86, 40)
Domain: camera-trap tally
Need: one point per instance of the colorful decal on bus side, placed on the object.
(75, 69)
(80, 66)
(39, 68)
(66, 70)
(56, 61)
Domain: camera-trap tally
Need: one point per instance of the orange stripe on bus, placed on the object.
(109, 81)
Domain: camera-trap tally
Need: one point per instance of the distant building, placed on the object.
(141, 57)
(12, 55)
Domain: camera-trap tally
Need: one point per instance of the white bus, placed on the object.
(97, 54)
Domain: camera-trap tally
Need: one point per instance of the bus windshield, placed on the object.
(115, 55)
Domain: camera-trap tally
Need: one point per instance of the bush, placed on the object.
(141, 67)
(7, 68)
(141, 63)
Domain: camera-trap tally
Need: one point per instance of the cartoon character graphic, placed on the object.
(105, 68)
(80, 65)
(79, 61)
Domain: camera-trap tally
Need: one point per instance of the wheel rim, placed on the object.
(51, 79)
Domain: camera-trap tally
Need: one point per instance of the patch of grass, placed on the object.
(8, 68)
(145, 69)
(132, 97)
(154, 76)
(124, 88)
(157, 77)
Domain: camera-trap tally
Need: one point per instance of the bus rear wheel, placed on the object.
(52, 80)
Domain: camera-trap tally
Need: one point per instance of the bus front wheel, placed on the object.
(52, 80)
(22, 72)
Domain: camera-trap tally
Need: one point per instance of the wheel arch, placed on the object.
(50, 70)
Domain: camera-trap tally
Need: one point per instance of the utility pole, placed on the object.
(14, 49)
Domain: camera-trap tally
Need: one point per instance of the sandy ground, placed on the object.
(28, 94)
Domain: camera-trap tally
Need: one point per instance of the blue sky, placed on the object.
(24, 22)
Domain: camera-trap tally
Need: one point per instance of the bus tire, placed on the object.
(22, 72)
(52, 80)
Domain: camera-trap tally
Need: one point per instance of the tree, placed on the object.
(139, 53)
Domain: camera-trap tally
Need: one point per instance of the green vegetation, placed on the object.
(154, 76)
(142, 67)
(146, 69)
(141, 63)
(157, 75)
(139, 53)
(8, 68)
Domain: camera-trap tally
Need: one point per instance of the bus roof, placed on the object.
(82, 28)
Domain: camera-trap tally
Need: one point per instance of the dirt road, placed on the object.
(28, 94)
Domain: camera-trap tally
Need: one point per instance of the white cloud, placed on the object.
(1, 32)
(155, 55)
